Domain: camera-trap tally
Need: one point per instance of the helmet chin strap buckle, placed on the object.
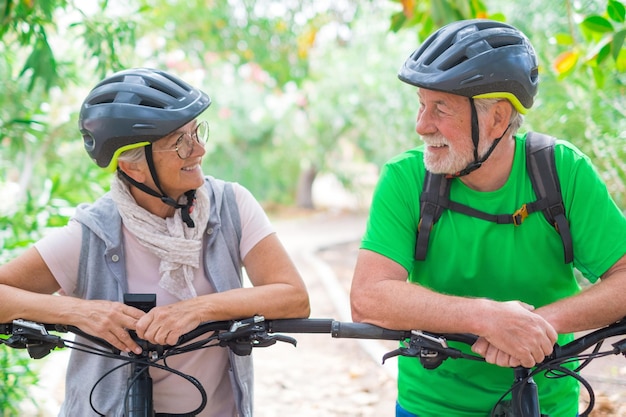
(470, 168)
(186, 209)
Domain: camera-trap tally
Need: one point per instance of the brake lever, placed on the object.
(283, 338)
(265, 339)
(34, 338)
(243, 346)
(430, 359)
(430, 349)
(403, 351)
(246, 334)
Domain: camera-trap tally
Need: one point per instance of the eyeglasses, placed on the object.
(186, 141)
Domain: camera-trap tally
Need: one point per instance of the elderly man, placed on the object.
(472, 271)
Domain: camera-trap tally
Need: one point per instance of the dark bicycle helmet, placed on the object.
(134, 108)
(478, 59)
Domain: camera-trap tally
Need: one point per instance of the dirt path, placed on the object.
(322, 376)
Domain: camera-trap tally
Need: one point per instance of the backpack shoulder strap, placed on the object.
(434, 198)
(544, 178)
(541, 169)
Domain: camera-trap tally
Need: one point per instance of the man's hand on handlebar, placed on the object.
(494, 355)
(515, 336)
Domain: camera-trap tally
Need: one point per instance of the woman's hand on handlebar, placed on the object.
(164, 325)
(110, 321)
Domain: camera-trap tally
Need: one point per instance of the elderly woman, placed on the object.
(164, 228)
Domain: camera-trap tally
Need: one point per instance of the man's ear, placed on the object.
(501, 113)
(133, 169)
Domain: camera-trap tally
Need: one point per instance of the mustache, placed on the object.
(434, 140)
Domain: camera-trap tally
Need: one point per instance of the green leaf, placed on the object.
(498, 17)
(464, 8)
(42, 63)
(618, 43)
(427, 27)
(603, 53)
(478, 8)
(597, 24)
(564, 39)
(443, 12)
(397, 21)
(598, 76)
(620, 61)
(616, 11)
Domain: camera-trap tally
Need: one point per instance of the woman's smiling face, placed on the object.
(177, 175)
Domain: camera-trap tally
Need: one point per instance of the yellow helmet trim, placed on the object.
(113, 164)
(514, 101)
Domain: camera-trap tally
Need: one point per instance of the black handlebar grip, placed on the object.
(300, 326)
(366, 331)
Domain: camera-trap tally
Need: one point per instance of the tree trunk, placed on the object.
(304, 193)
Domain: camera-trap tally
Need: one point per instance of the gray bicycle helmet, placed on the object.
(134, 108)
(478, 59)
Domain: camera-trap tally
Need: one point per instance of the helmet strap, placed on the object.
(478, 162)
(186, 209)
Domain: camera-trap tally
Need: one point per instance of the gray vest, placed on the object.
(102, 275)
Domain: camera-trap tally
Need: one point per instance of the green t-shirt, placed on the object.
(471, 257)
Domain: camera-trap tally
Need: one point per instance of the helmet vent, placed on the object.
(499, 40)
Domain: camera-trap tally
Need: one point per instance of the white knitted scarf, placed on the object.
(177, 245)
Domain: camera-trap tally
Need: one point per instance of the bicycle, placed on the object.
(432, 349)
(243, 335)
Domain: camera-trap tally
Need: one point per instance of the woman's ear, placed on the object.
(134, 170)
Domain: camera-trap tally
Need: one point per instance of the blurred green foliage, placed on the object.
(16, 376)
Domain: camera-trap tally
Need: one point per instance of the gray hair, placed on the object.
(484, 104)
(133, 155)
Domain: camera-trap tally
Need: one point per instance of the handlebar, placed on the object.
(241, 336)
(366, 331)
(589, 340)
(25, 333)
